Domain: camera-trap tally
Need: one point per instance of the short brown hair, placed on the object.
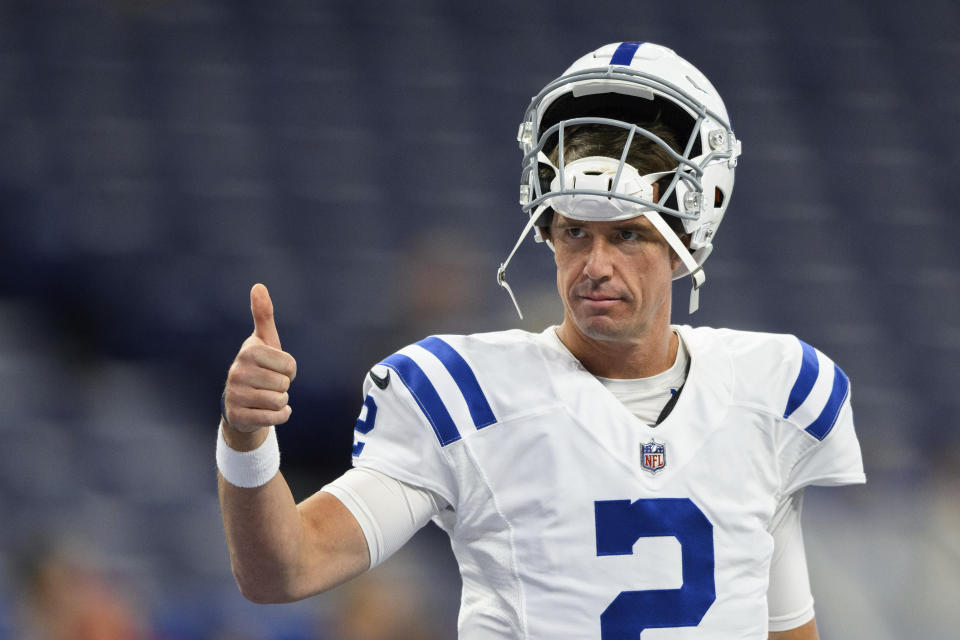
(645, 155)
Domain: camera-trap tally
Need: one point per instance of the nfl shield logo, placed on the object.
(653, 456)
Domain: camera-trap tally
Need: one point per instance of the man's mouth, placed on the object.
(599, 301)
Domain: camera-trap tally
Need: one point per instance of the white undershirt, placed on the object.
(389, 512)
(646, 397)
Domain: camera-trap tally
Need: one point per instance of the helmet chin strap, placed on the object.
(697, 274)
(502, 271)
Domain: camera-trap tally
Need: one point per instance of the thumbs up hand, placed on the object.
(256, 394)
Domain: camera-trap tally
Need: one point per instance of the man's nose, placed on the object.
(599, 263)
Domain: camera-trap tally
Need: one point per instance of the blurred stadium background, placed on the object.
(358, 157)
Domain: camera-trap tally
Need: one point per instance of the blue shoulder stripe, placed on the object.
(624, 53)
(426, 396)
(463, 375)
(809, 370)
(820, 427)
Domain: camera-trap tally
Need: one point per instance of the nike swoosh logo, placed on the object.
(380, 382)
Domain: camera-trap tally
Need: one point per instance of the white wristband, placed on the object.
(249, 469)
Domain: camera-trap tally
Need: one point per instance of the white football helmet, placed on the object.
(627, 85)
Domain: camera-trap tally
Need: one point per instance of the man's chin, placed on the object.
(600, 327)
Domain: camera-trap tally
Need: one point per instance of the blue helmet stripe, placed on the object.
(426, 396)
(463, 375)
(828, 417)
(809, 370)
(624, 53)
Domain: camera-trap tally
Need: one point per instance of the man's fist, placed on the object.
(260, 376)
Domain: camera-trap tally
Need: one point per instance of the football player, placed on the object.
(612, 477)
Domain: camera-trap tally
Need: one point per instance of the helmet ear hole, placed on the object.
(718, 198)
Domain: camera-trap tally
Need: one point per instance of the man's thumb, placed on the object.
(262, 309)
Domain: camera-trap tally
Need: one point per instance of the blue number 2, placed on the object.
(620, 523)
(365, 423)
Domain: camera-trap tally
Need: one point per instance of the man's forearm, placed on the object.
(263, 528)
(281, 551)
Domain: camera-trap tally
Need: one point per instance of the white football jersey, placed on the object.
(571, 518)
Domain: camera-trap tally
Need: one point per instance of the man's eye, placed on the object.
(575, 232)
(629, 235)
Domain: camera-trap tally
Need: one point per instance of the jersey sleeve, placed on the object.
(821, 447)
(418, 403)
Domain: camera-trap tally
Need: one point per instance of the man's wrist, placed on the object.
(242, 440)
(251, 468)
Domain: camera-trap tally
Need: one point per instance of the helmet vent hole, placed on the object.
(717, 198)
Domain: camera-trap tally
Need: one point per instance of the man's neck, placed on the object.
(637, 357)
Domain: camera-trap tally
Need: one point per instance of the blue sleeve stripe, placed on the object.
(463, 375)
(809, 369)
(828, 417)
(426, 396)
(624, 53)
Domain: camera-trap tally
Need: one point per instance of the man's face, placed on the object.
(613, 277)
